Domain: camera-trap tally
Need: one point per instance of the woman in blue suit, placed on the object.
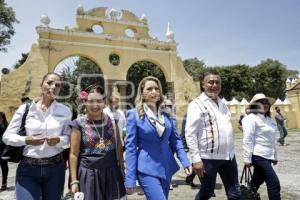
(150, 144)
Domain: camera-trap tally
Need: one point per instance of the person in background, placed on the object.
(189, 179)
(280, 125)
(209, 137)
(242, 117)
(116, 114)
(168, 108)
(94, 159)
(41, 171)
(3, 163)
(260, 145)
(151, 142)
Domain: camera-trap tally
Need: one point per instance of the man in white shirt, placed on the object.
(209, 137)
(116, 114)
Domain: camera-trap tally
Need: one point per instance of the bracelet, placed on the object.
(74, 182)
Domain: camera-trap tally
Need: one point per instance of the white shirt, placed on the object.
(206, 119)
(54, 122)
(120, 117)
(259, 137)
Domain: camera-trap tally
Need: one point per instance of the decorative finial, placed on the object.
(144, 19)
(5, 70)
(169, 34)
(45, 20)
(80, 10)
(113, 14)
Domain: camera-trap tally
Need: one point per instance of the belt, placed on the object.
(42, 161)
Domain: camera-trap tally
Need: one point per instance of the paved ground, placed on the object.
(287, 169)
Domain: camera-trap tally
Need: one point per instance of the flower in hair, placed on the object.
(83, 95)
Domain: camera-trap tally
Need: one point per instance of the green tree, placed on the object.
(292, 74)
(194, 67)
(270, 78)
(21, 61)
(7, 20)
(236, 81)
(87, 73)
(76, 77)
(242, 81)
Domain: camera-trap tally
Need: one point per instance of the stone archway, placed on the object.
(77, 73)
(112, 49)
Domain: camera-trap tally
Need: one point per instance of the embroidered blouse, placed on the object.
(97, 137)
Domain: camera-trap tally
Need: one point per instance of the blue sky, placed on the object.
(221, 32)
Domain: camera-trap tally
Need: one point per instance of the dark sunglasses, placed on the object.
(264, 102)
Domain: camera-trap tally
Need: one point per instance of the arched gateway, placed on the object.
(114, 40)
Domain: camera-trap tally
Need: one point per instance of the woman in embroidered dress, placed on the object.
(94, 163)
(260, 145)
(151, 142)
(41, 172)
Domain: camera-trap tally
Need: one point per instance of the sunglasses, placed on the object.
(264, 102)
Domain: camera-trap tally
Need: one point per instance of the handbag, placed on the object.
(12, 153)
(248, 192)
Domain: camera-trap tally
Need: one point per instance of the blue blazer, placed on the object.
(147, 152)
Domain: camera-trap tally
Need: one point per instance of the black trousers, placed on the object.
(4, 166)
(264, 172)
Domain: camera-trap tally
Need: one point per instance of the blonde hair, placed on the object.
(139, 100)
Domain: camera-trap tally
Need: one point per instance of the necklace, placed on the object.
(101, 143)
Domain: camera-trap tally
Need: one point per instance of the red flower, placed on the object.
(83, 96)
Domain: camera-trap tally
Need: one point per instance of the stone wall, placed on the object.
(25, 81)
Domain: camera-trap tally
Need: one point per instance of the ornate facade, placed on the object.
(113, 41)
